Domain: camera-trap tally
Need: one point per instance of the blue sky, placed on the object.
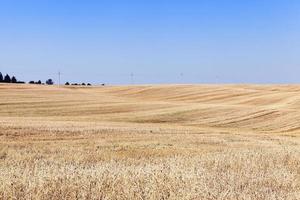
(159, 41)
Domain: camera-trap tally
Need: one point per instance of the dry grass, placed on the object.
(150, 142)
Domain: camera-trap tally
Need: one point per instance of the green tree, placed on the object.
(14, 80)
(49, 82)
(7, 79)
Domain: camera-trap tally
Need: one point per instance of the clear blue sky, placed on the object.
(159, 41)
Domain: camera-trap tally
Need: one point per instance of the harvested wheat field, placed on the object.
(150, 142)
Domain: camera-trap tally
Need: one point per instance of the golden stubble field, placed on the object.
(150, 142)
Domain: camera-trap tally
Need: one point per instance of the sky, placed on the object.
(151, 41)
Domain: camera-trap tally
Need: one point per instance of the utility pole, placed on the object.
(131, 77)
(59, 74)
(181, 77)
(217, 79)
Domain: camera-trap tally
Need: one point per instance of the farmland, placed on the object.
(150, 142)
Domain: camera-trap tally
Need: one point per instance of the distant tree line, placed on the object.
(83, 84)
(51, 82)
(39, 82)
(8, 79)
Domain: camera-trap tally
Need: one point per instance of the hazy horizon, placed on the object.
(156, 41)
